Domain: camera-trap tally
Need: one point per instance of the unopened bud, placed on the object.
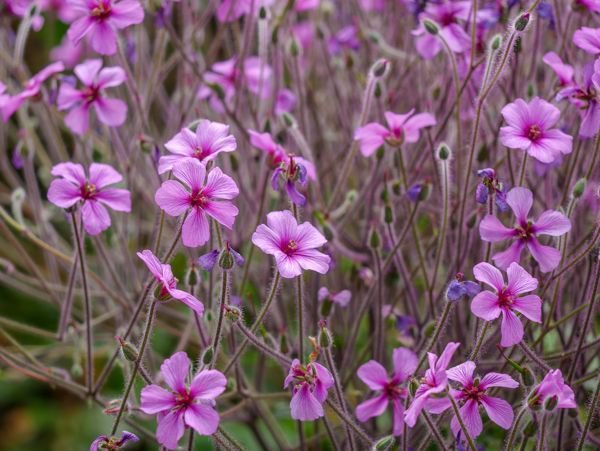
(325, 338)
(443, 152)
(262, 13)
(551, 403)
(530, 430)
(288, 120)
(328, 233)
(518, 45)
(380, 68)
(326, 307)
(527, 377)
(217, 89)
(207, 355)
(384, 443)
(378, 90)
(226, 260)
(579, 188)
(413, 385)
(522, 21)
(388, 215)
(431, 26)
(192, 277)
(380, 152)
(129, 351)
(429, 328)
(471, 221)
(496, 42)
(232, 313)
(374, 239)
(284, 346)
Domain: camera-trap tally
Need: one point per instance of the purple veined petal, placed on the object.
(151, 262)
(103, 38)
(88, 70)
(223, 212)
(457, 38)
(325, 381)
(63, 194)
(126, 13)
(405, 362)
(511, 329)
(266, 240)
(437, 405)
(463, 373)
(516, 114)
(308, 237)
(370, 138)
(208, 384)
(520, 201)
(446, 355)
(196, 229)
(519, 280)
(397, 417)
(304, 406)
(371, 408)
(552, 223)
(203, 418)
(191, 172)
(485, 305)
(469, 413)
(397, 121)
(530, 306)
(166, 162)
(513, 138)
(78, 119)
(94, 445)
(288, 267)
(590, 121)
(283, 224)
(313, 260)
(497, 380)
(111, 112)
(547, 257)
(587, 39)
(183, 143)
(68, 96)
(115, 198)
(546, 114)
(172, 198)
(214, 137)
(95, 217)
(511, 254)
(79, 29)
(492, 230)
(128, 437)
(542, 152)
(373, 374)
(170, 429)
(220, 186)
(499, 411)
(154, 399)
(562, 70)
(486, 273)
(102, 175)
(110, 76)
(414, 410)
(189, 300)
(415, 123)
(558, 141)
(175, 370)
(290, 376)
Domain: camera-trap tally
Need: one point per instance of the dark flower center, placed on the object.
(393, 390)
(534, 132)
(88, 191)
(473, 392)
(101, 11)
(198, 199)
(183, 400)
(524, 231)
(200, 153)
(506, 298)
(290, 247)
(395, 138)
(91, 93)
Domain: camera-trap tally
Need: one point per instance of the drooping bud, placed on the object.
(579, 188)
(191, 276)
(262, 13)
(284, 346)
(374, 239)
(378, 90)
(431, 27)
(518, 46)
(522, 21)
(128, 350)
(380, 68)
(384, 443)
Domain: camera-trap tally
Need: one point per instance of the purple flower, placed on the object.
(204, 196)
(389, 389)
(506, 299)
(67, 53)
(111, 112)
(590, 5)
(344, 39)
(563, 71)
(73, 186)
(341, 298)
(309, 384)
(293, 245)
(529, 127)
(168, 283)
(231, 10)
(208, 261)
(553, 385)
(588, 39)
(401, 128)
(290, 172)
(525, 232)
(461, 289)
(183, 405)
(434, 383)
(104, 442)
(491, 185)
(100, 19)
(210, 139)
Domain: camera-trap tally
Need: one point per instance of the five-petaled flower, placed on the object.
(390, 389)
(183, 405)
(309, 385)
(293, 245)
(73, 186)
(207, 195)
(104, 442)
(525, 232)
(553, 386)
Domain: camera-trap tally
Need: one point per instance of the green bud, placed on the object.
(233, 313)
(129, 351)
(388, 215)
(284, 346)
(207, 355)
(208, 316)
(533, 401)
(579, 188)
(530, 430)
(374, 36)
(384, 443)
(262, 13)
(380, 152)
(530, 90)
(397, 188)
(328, 232)
(326, 307)
(522, 21)
(413, 385)
(527, 377)
(435, 92)
(443, 152)
(496, 42)
(325, 338)
(192, 277)
(551, 403)
(431, 26)
(374, 239)
(294, 48)
(351, 196)
(471, 221)
(226, 260)
(234, 162)
(76, 370)
(288, 120)
(380, 68)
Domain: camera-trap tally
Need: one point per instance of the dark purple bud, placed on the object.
(501, 200)
(301, 174)
(17, 158)
(208, 261)
(414, 192)
(458, 290)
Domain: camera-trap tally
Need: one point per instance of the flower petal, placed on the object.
(220, 186)
(175, 370)
(111, 112)
(520, 201)
(405, 362)
(223, 212)
(511, 329)
(117, 199)
(304, 406)
(485, 305)
(547, 257)
(371, 408)
(172, 198)
(170, 429)
(196, 230)
(463, 373)
(497, 380)
(519, 280)
(191, 172)
(552, 223)
(188, 299)
(63, 194)
(203, 418)
(499, 411)
(154, 399)
(530, 306)
(491, 229)
(95, 217)
(208, 384)
(102, 175)
(511, 254)
(484, 272)
(373, 374)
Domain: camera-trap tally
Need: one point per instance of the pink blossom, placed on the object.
(553, 385)
(390, 389)
(230, 10)
(309, 385)
(529, 127)
(183, 405)
(31, 89)
(100, 20)
(588, 39)
(67, 53)
(210, 139)
(277, 154)
(341, 298)
(590, 5)
(525, 232)
(434, 383)
(506, 299)
(293, 245)
(401, 128)
(563, 71)
(111, 112)
(199, 195)
(73, 186)
(168, 283)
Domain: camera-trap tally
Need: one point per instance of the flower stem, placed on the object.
(436, 335)
(590, 417)
(300, 314)
(442, 236)
(462, 423)
(515, 428)
(479, 343)
(541, 441)
(433, 429)
(222, 304)
(523, 168)
(339, 392)
(346, 419)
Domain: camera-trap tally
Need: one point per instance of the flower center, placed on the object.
(90, 93)
(474, 393)
(395, 138)
(290, 247)
(183, 400)
(393, 390)
(101, 11)
(88, 191)
(200, 153)
(198, 199)
(506, 298)
(524, 231)
(534, 132)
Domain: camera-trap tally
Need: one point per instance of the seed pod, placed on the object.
(380, 68)
(129, 351)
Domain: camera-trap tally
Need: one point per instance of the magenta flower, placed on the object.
(309, 384)
(73, 186)
(203, 196)
(529, 127)
(525, 232)
(507, 299)
(434, 383)
(100, 19)
(341, 298)
(553, 385)
(104, 442)
(293, 245)
(31, 90)
(563, 71)
(168, 283)
(210, 139)
(472, 394)
(588, 39)
(183, 405)
(389, 389)
(401, 128)
(111, 112)
(278, 156)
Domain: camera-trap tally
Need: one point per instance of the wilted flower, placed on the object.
(104, 442)
(309, 385)
(491, 186)
(459, 288)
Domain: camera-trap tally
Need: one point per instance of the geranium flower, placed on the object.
(183, 405)
(553, 385)
(588, 39)
(563, 71)
(491, 185)
(529, 127)
(230, 10)
(104, 442)
(389, 389)
(202, 196)
(293, 245)
(111, 112)
(210, 139)
(100, 19)
(525, 232)
(341, 298)
(309, 385)
(73, 186)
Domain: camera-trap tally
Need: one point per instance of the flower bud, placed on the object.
(380, 68)
(192, 277)
(397, 188)
(374, 239)
(129, 351)
(431, 26)
(217, 89)
(325, 338)
(527, 377)
(388, 215)
(579, 188)
(262, 13)
(328, 232)
(384, 443)
(534, 401)
(288, 120)
(326, 307)
(443, 152)
(518, 45)
(207, 355)
(413, 385)
(284, 346)
(379, 153)
(522, 21)
(378, 90)
(551, 403)
(471, 221)
(429, 329)
(496, 42)
(232, 313)
(226, 259)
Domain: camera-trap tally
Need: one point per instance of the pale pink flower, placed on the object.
(588, 39)
(309, 385)
(563, 71)
(553, 385)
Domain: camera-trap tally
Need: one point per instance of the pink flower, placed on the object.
(401, 128)
(525, 232)
(168, 283)
(389, 389)
(31, 90)
(111, 112)
(210, 139)
(434, 383)
(553, 385)
(293, 245)
(590, 5)
(204, 196)
(100, 19)
(563, 71)
(67, 53)
(305, 5)
(341, 298)
(183, 405)
(472, 394)
(529, 127)
(588, 39)
(309, 383)
(104, 442)
(73, 186)
(277, 154)
(231, 10)
(507, 299)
